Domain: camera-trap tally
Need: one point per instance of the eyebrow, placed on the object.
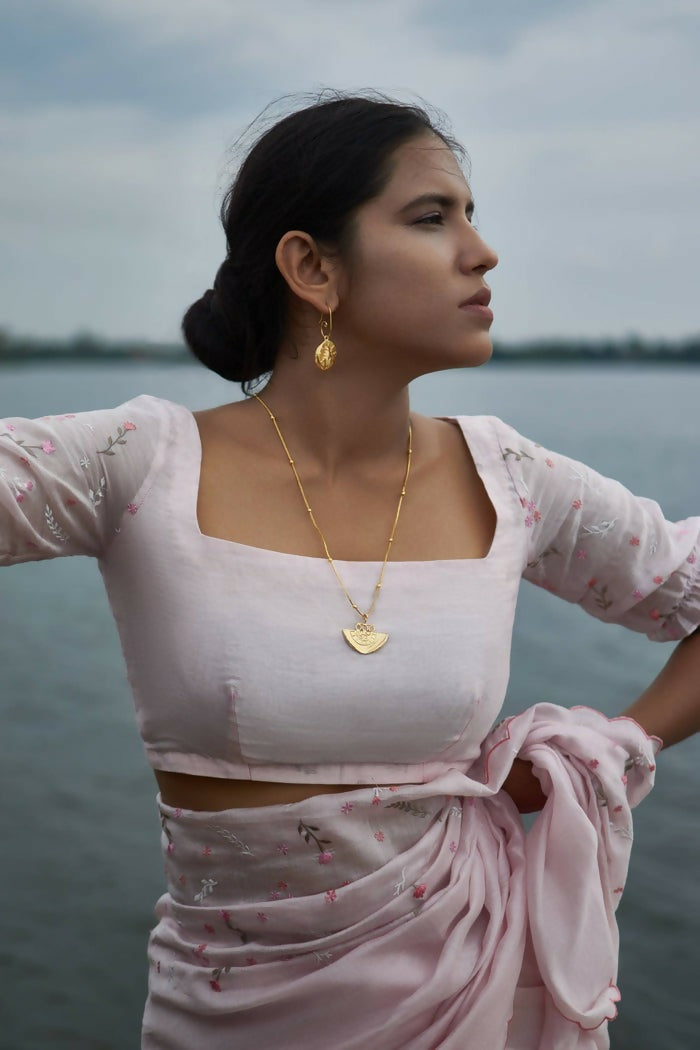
(441, 199)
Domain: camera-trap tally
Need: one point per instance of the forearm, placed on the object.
(670, 707)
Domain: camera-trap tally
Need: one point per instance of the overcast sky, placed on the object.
(581, 119)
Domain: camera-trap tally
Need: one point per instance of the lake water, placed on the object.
(81, 865)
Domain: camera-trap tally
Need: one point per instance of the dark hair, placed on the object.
(310, 171)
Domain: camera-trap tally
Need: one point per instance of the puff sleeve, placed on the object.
(591, 541)
(67, 482)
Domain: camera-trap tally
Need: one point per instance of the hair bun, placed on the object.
(208, 335)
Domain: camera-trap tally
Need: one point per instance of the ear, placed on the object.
(310, 274)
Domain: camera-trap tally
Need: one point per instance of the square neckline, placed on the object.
(253, 551)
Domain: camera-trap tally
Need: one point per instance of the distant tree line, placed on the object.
(87, 347)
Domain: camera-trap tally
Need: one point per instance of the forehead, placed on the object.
(424, 163)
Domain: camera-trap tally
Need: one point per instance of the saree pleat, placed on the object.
(409, 917)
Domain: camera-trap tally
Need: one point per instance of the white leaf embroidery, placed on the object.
(54, 527)
(401, 884)
(97, 496)
(243, 849)
(206, 890)
(602, 528)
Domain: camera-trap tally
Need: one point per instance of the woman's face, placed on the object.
(413, 260)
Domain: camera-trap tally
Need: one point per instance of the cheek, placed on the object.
(397, 287)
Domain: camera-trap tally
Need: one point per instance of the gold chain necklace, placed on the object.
(363, 637)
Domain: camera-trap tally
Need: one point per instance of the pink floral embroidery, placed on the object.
(283, 848)
(19, 497)
(209, 929)
(379, 836)
(634, 541)
(419, 891)
(71, 502)
(29, 485)
(618, 889)
(262, 916)
(593, 764)
(376, 801)
(48, 448)
(9, 426)
(528, 521)
(215, 986)
(581, 554)
(393, 787)
(453, 847)
(636, 593)
(549, 462)
(691, 559)
(655, 614)
(618, 809)
(652, 767)
(347, 807)
(600, 594)
(577, 504)
(658, 579)
(308, 832)
(250, 961)
(132, 508)
(623, 778)
(170, 847)
(282, 885)
(206, 852)
(537, 516)
(331, 896)
(119, 440)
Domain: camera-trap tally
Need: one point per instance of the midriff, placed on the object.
(212, 794)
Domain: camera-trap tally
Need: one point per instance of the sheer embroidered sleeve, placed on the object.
(591, 541)
(66, 482)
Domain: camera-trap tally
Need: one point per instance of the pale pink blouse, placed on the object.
(235, 654)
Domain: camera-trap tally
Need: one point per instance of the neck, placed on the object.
(338, 425)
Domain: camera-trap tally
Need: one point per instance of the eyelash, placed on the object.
(425, 221)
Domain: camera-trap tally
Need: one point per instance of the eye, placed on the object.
(434, 219)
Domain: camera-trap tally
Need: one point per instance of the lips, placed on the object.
(482, 298)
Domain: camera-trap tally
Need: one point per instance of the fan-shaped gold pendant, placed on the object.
(364, 638)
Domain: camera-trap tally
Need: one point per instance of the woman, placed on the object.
(315, 590)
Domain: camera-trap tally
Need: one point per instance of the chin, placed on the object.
(476, 355)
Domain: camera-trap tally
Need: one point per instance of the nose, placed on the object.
(477, 255)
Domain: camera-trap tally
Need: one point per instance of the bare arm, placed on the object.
(670, 706)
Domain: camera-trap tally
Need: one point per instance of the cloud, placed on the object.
(581, 121)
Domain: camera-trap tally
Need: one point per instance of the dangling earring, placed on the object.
(325, 351)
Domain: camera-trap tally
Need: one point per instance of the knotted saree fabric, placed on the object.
(407, 917)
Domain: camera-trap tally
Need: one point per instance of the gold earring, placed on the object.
(325, 351)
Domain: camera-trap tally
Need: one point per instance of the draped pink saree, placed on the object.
(410, 917)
